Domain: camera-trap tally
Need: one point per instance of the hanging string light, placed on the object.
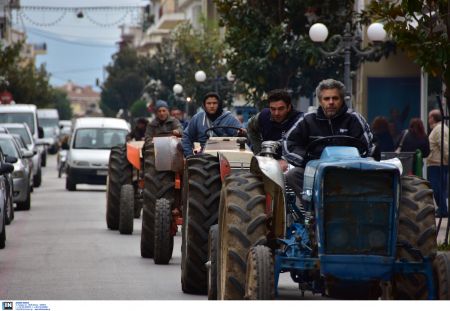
(117, 22)
(80, 12)
(43, 24)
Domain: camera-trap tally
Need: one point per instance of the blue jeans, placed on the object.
(440, 194)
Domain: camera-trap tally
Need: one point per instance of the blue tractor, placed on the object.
(362, 231)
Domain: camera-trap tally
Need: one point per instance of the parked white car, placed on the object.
(89, 148)
(23, 130)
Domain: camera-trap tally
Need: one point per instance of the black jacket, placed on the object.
(314, 125)
(261, 128)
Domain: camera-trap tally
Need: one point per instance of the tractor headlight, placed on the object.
(339, 238)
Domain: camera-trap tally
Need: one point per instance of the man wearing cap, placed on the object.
(163, 124)
(212, 115)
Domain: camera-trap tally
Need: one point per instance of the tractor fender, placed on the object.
(134, 153)
(168, 154)
(274, 186)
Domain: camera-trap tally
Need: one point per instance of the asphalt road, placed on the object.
(62, 250)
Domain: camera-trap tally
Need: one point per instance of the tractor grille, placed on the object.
(358, 212)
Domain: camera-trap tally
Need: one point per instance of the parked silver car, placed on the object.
(23, 130)
(5, 168)
(21, 174)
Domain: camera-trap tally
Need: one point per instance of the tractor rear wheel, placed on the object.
(119, 173)
(417, 228)
(157, 185)
(163, 237)
(203, 184)
(213, 241)
(126, 209)
(242, 224)
(441, 268)
(260, 278)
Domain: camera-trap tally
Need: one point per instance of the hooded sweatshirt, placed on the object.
(195, 131)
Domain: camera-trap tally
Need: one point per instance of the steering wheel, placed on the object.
(223, 126)
(314, 148)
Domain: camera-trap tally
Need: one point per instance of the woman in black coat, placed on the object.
(414, 138)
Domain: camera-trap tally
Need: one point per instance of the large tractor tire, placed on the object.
(119, 173)
(200, 211)
(213, 244)
(157, 185)
(163, 237)
(126, 209)
(417, 228)
(242, 224)
(441, 267)
(260, 278)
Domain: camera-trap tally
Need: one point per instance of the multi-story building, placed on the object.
(84, 101)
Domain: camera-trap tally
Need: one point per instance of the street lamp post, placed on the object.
(177, 90)
(200, 76)
(348, 41)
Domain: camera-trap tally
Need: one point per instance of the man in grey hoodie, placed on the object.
(211, 116)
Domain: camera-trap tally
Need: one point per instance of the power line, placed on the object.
(62, 40)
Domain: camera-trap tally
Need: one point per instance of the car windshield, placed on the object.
(22, 132)
(47, 122)
(49, 131)
(99, 138)
(18, 117)
(8, 147)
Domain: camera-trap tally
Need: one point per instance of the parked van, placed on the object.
(49, 120)
(22, 113)
(89, 148)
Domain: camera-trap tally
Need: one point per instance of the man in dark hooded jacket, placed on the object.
(273, 123)
(212, 115)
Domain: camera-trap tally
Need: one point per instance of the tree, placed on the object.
(62, 104)
(270, 46)
(180, 56)
(422, 29)
(125, 82)
(27, 84)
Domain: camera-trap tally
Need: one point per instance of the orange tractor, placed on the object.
(147, 175)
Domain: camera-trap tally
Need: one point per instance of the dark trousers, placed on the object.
(294, 179)
(439, 189)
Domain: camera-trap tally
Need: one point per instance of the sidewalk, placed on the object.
(441, 234)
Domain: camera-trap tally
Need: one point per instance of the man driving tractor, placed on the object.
(212, 115)
(163, 123)
(332, 118)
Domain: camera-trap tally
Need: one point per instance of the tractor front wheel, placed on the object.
(126, 209)
(163, 236)
(260, 279)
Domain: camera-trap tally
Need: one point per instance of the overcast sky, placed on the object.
(78, 49)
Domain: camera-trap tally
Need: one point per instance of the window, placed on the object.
(99, 138)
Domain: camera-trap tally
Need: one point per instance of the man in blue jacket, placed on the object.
(213, 115)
